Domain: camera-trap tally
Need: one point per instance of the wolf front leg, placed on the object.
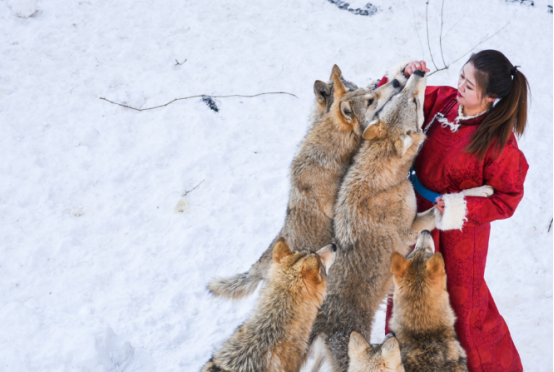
(422, 221)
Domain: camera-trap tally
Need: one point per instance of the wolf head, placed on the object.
(402, 117)
(354, 109)
(374, 358)
(302, 271)
(420, 293)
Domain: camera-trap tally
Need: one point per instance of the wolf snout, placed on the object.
(419, 73)
(395, 83)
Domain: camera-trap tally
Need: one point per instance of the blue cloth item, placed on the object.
(422, 190)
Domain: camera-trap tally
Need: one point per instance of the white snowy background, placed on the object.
(103, 261)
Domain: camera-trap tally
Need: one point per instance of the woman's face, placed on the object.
(469, 94)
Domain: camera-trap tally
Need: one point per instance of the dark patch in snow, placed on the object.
(211, 103)
(522, 2)
(369, 11)
(549, 9)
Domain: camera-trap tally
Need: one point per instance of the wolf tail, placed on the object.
(244, 284)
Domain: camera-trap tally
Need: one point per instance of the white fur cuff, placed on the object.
(454, 215)
(397, 72)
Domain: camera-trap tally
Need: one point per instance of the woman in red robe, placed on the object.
(471, 142)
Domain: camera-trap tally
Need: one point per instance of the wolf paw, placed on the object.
(482, 191)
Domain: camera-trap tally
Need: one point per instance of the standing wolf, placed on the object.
(274, 338)
(423, 319)
(316, 173)
(375, 215)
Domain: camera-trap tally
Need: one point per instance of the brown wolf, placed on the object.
(316, 173)
(374, 358)
(423, 319)
(375, 215)
(274, 338)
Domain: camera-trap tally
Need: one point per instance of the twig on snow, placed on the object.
(187, 192)
(197, 96)
(177, 63)
(549, 227)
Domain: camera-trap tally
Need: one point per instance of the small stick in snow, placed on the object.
(549, 227)
(187, 192)
(177, 63)
(197, 96)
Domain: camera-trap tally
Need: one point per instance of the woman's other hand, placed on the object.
(439, 203)
(415, 65)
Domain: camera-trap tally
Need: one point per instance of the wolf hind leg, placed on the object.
(244, 284)
(321, 353)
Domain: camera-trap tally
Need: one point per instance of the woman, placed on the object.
(471, 142)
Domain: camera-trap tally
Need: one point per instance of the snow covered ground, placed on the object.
(104, 261)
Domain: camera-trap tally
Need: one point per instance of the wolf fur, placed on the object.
(423, 319)
(374, 358)
(324, 156)
(274, 338)
(375, 215)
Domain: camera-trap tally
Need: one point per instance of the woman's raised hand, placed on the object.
(415, 65)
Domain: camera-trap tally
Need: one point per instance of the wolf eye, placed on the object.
(370, 102)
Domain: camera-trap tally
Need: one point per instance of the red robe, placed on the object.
(443, 166)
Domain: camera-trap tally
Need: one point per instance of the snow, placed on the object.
(105, 260)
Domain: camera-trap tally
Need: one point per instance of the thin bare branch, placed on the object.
(197, 96)
(549, 227)
(417, 33)
(187, 192)
(455, 24)
(177, 63)
(440, 37)
(427, 28)
(481, 42)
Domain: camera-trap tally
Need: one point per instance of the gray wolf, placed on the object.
(423, 319)
(375, 215)
(274, 338)
(374, 358)
(339, 118)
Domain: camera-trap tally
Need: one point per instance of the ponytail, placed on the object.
(498, 78)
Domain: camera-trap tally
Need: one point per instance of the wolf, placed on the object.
(375, 215)
(423, 319)
(374, 358)
(274, 338)
(339, 118)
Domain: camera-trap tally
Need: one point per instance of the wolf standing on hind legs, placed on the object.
(375, 215)
(316, 172)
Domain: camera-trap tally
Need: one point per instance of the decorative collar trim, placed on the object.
(464, 118)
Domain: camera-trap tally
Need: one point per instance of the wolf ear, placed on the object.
(374, 130)
(327, 256)
(340, 90)
(389, 345)
(346, 111)
(281, 250)
(322, 92)
(435, 265)
(357, 345)
(310, 269)
(399, 265)
(336, 71)
(402, 144)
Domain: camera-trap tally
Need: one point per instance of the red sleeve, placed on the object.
(505, 173)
